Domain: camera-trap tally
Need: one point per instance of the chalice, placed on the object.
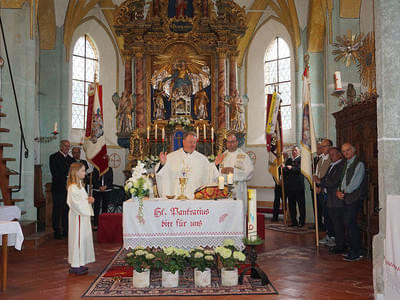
(182, 183)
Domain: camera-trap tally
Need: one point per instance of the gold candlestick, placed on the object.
(182, 183)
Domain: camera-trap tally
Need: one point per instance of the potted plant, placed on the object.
(142, 261)
(171, 261)
(230, 258)
(138, 187)
(202, 261)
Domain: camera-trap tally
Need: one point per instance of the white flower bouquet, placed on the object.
(229, 255)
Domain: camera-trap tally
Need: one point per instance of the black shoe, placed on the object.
(334, 250)
(300, 225)
(292, 225)
(352, 257)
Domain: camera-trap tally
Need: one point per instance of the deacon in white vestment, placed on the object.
(185, 162)
(237, 162)
(80, 239)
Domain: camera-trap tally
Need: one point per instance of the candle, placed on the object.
(212, 134)
(155, 132)
(338, 81)
(197, 132)
(148, 132)
(252, 215)
(204, 131)
(55, 127)
(221, 182)
(230, 178)
(163, 134)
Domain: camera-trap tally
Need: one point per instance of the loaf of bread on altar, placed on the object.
(211, 192)
(185, 162)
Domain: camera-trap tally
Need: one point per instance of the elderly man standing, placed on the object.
(185, 162)
(76, 155)
(320, 171)
(238, 163)
(352, 190)
(59, 167)
(295, 188)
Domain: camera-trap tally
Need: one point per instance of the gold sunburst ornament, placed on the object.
(367, 63)
(348, 48)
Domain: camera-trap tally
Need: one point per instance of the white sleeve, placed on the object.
(78, 201)
(246, 172)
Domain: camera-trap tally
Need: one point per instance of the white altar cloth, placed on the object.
(9, 213)
(183, 223)
(14, 231)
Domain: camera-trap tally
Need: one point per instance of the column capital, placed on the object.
(221, 52)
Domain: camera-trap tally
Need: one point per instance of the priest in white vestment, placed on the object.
(185, 162)
(238, 163)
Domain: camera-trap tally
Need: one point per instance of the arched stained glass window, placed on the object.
(277, 74)
(85, 64)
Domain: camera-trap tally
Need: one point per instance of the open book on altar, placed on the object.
(211, 192)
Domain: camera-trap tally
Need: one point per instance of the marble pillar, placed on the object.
(221, 89)
(139, 90)
(232, 74)
(387, 43)
(128, 74)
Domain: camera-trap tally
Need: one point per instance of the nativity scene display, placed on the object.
(180, 84)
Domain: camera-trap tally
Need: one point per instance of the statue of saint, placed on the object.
(159, 104)
(236, 115)
(200, 103)
(180, 6)
(125, 107)
(181, 83)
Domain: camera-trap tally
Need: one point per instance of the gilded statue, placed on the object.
(159, 104)
(237, 112)
(125, 106)
(200, 103)
(180, 80)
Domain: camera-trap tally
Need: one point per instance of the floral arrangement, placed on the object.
(202, 259)
(172, 259)
(139, 186)
(140, 259)
(211, 158)
(179, 121)
(229, 255)
(150, 161)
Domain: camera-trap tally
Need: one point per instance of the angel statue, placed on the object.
(125, 106)
(159, 105)
(237, 112)
(200, 103)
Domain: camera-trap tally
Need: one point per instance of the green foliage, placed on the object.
(140, 259)
(229, 255)
(202, 259)
(171, 259)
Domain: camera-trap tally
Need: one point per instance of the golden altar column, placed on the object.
(139, 90)
(128, 74)
(232, 73)
(221, 87)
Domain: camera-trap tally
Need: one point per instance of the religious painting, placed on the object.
(180, 8)
(180, 84)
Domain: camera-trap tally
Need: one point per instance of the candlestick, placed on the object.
(230, 178)
(338, 81)
(212, 134)
(155, 132)
(163, 134)
(204, 131)
(148, 132)
(221, 182)
(252, 215)
(197, 133)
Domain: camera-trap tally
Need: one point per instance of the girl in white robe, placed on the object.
(80, 239)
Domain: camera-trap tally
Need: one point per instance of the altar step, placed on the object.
(32, 238)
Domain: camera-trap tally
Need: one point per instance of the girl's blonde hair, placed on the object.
(73, 176)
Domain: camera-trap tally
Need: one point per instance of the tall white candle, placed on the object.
(230, 178)
(252, 215)
(55, 127)
(212, 134)
(148, 132)
(197, 132)
(155, 132)
(204, 131)
(338, 81)
(221, 182)
(163, 133)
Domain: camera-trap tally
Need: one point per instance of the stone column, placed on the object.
(139, 90)
(387, 43)
(232, 73)
(221, 88)
(128, 74)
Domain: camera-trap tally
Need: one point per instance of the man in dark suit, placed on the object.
(102, 187)
(329, 184)
(295, 188)
(76, 155)
(59, 167)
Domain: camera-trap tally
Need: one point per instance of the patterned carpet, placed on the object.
(283, 228)
(116, 281)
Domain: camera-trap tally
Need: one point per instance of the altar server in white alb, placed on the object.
(185, 162)
(238, 163)
(80, 239)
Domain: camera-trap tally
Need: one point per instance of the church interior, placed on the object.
(134, 76)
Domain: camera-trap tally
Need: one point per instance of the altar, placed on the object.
(182, 223)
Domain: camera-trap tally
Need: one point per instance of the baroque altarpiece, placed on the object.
(180, 74)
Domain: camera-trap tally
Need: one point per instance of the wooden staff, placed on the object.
(91, 185)
(315, 210)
